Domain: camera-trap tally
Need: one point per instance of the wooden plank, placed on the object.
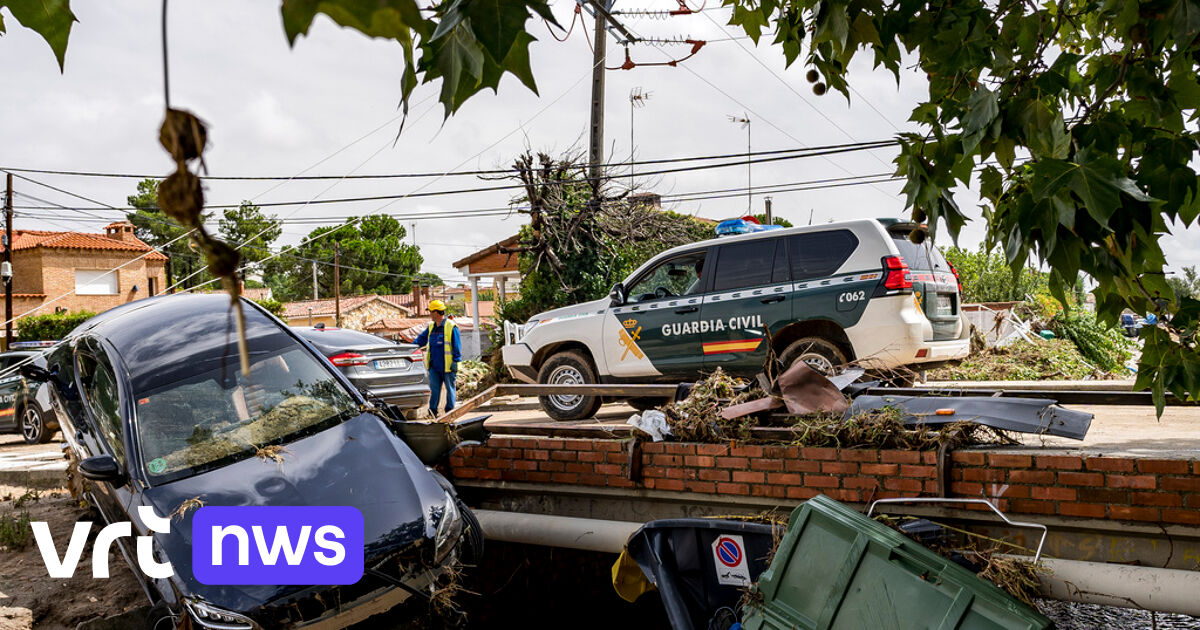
(469, 406)
(522, 389)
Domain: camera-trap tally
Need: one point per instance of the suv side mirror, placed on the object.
(617, 295)
(103, 468)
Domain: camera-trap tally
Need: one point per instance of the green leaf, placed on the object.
(496, 23)
(385, 19)
(1187, 23)
(52, 19)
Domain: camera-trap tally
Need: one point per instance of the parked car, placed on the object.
(828, 294)
(25, 407)
(392, 372)
(157, 413)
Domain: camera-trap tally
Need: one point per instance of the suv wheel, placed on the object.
(568, 368)
(33, 426)
(820, 354)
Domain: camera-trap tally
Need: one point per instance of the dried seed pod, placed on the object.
(819, 89)
(812, 75)
(917, 236)
(223, 260)
(180, 196)
(919, 215)
(183, 135)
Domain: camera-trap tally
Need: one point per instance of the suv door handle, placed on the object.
(772, 299)
(686, 309)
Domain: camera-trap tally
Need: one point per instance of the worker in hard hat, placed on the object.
(443, 351)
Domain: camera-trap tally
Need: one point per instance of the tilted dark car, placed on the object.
(384, 369)
(159, 414)
(25, 407)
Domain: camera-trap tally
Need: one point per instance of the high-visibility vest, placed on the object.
(448, 327)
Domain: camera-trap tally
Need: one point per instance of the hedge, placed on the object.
(51, 326)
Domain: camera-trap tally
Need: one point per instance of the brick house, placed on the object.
(50, 265)
(357, 310)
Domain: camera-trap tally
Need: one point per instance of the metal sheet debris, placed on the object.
(1023, 415)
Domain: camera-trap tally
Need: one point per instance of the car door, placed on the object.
(10, 385)
(101, 400)
(817, 293)
(751, 292)
(656, 332)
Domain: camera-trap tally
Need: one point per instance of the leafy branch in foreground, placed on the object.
(1076, 119)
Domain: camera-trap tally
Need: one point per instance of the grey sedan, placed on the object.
(392, 372)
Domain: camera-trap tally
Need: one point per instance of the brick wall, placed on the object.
(1150, 490)
(52, 272)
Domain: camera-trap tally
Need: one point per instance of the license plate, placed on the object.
(391, 364)
(945, 305)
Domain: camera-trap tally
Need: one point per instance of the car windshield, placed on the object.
(219, 415)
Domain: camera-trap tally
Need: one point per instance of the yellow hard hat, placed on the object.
(437, 305)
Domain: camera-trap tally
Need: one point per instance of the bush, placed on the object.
(1055, 359)
(987, 277)
(274, 307)
(15, 531)
(51, 326)
(1104, 347)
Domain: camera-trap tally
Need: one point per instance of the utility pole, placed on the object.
(414, 232)
(744, 119)
(596, 138)
(637, 98)
(767, 202)
(6, 271)
(337, 285)
(314, 264)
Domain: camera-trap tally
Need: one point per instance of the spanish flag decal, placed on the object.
(741, 345)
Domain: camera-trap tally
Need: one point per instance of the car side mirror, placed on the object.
(617, 295)
(36, 373)
(103, 468)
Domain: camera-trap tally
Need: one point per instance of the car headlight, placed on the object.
(448, 529)
(214, 618)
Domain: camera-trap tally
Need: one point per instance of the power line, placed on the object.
(507, 171)
(794, 91)
(479, 189)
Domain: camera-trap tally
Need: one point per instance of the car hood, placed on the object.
(359, 463)
(586, 308)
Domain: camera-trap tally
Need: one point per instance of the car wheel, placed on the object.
(33, 426)
(473, 534)
(820, 354)
(568, 368)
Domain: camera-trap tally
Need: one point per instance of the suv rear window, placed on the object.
(818, 254)
(748, 264)
(923, 257)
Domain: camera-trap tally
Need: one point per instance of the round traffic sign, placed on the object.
(729, 552)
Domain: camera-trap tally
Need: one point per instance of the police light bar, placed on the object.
(745, 225)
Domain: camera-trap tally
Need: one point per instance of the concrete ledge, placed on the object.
(44, 479)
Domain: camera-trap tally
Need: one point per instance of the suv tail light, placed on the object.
(895, 273)
(956, 276)
(347, 359)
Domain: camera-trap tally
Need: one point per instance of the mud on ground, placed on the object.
(61, 603)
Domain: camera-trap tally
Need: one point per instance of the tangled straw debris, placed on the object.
(698, 419)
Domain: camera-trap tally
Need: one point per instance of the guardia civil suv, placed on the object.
(826, 295)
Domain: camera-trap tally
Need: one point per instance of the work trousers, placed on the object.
(437, 379)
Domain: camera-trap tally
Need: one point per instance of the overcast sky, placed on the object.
(275, 110)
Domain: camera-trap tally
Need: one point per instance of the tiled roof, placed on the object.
(349, 303)
(408, 328)
(30, 239)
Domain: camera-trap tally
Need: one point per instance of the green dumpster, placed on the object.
(837, 569)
